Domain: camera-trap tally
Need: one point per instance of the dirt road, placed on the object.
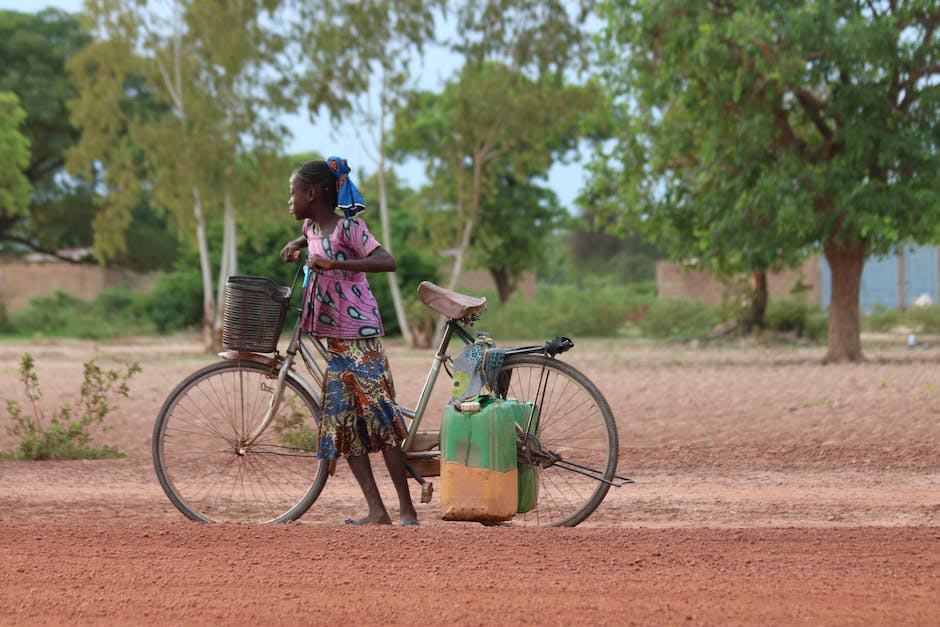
(770, 490)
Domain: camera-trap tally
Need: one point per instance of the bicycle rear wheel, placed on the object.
(201, 459)
(575, 425)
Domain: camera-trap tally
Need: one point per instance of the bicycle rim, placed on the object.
(574, 422)
(205, 468)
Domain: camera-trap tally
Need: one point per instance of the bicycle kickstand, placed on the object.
(427, 488)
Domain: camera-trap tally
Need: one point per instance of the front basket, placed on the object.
(253, 315)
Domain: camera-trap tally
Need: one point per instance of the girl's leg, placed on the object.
(362, 471)
(395, 460)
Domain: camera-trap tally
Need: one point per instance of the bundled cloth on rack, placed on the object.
(475, 369)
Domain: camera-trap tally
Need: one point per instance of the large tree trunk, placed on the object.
(758, 297)
(845, 262)
(505, 286)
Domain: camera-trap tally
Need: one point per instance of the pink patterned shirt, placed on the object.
(343, 305)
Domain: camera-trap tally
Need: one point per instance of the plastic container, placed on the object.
(528, 484)
(479, 477)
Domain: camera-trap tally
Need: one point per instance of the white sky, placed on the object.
(566, 180)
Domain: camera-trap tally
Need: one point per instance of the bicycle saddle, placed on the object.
(451, 304)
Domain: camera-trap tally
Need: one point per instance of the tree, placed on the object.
(33, 51)
(755, 132)
(207, 65)
(512, 240)
(488, 132)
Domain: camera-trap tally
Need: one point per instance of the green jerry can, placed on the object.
(528, 474)
(479, 476)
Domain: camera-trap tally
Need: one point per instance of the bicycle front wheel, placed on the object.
(203, 460)
(575, 427)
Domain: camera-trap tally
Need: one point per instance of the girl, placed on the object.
(360, 415)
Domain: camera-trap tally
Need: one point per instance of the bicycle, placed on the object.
(236, 440)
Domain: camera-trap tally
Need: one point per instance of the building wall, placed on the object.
(20, 281)
(676, 281)
(476, 280)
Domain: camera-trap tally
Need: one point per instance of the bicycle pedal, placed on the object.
(427, 489)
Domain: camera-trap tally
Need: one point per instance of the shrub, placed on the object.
(798, 316)
(678, 320)
(113, 313)
(923, 319)
(882, 319)
(65, 437)
(596, 310)
(175, 300)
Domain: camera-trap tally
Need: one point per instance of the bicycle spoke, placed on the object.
(573, 423)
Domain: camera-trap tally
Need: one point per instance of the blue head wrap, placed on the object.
(348, 197)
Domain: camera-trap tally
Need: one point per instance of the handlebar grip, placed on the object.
(306, 276)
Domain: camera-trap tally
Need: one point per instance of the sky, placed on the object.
(565, 179)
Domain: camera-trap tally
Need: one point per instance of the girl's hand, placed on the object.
(291, 252)
(318, 263)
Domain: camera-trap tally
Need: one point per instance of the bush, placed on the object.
(680, 320)
(64, 437)
(596, 310)
(923, 319)
(113, 313)
(175, 301)
(798, 316)
(882, 319)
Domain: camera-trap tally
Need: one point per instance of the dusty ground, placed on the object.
(770, 490)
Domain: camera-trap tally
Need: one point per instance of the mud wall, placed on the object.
(20, 281)
(678, 281)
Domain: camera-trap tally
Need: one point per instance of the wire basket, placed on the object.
(253, 315)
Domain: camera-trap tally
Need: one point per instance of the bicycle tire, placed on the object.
(196, 447)
(575, 421)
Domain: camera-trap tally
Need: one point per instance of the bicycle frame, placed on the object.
(285, 364)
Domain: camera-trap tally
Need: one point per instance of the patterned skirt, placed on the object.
(360, 414)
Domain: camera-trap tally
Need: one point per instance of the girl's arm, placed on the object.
(379, 260)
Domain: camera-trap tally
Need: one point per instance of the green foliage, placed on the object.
(487, 138)
(882, 319)
(754, 132)
(113, 313)
(923, 319)
(66, 435)
(14, 158)
(598, 309)
(174, 302)
(917, 319)
(33, 50)
(291, 426)
(797, 316)
(679, 320)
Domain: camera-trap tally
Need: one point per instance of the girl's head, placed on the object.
(312, 185)
(318, 185)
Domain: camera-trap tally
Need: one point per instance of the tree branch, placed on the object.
(37, 248)
(37, 171)
(813, 106)
(783, 125)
